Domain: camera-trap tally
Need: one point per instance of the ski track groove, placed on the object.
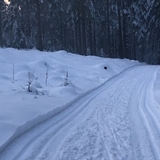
(115, 134)
(119, 126)
(57, 130)
(97, 94)
(145, 146)
(150, 120)
(114, 154)
(35, 138)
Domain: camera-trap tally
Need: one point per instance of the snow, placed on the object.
(21, 110)
(87, 119)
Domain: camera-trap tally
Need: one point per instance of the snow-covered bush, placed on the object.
(66, 82)
(46, 64)
(30, 80)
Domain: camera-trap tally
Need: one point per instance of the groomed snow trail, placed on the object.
(114, 122)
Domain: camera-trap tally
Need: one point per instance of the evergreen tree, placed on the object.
(117, 28)
(2, 12)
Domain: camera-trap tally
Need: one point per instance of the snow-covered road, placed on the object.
(116, 121)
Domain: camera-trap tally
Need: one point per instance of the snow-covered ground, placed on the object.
(77, 109)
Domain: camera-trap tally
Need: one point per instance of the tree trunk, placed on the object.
(94, 37)
(83, 34)
(1, 38)
(121, 52)
(29, 26)
(90, 38)
(108, 30)
(39, 27)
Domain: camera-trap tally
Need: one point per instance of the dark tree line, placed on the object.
(107, 28)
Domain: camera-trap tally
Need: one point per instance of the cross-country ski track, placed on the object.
(116, 121)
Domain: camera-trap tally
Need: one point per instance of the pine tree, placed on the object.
(2, 11)
(119, 28)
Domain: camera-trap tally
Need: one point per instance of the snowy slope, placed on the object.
(21, 110)
(102, 114)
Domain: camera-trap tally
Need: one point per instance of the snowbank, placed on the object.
(46, 73)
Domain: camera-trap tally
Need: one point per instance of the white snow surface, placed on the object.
(102, 114)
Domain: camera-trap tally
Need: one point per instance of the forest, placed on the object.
(106, 28)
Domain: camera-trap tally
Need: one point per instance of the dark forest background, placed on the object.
(106, 28)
